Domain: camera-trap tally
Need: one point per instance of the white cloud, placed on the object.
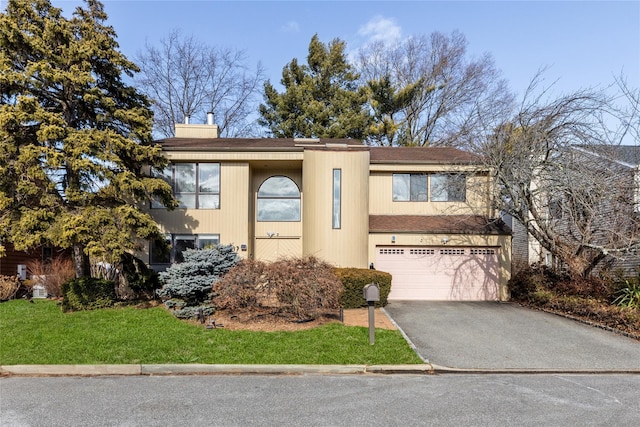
(381, 29)
(290, 27)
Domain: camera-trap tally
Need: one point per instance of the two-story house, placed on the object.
(612, 219)
(421, 214)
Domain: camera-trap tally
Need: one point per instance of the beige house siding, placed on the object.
(271, 249)
(346, 246)
(381, 196)
(230, 221)
(286, 237)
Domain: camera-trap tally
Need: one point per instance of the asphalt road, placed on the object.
(332, 400)
(492, 335)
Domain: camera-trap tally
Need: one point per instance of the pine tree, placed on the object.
(74, 137)
(321, 99)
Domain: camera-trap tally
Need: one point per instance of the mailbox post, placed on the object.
(371, 293)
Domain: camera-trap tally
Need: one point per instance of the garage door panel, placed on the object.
(440, 273)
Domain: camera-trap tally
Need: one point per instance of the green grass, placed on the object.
(41, 333)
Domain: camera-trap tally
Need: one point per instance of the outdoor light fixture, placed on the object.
(445, 240)
(393, 239)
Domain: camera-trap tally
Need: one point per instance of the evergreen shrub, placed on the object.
(138, 278)
(355, 279)
(88, 293)
(189, 284)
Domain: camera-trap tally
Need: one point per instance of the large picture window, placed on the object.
(178, 243)
(278, 200)
(409, 187)
(448, 187)
(195, 185)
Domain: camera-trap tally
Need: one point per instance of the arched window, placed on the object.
(278, 200)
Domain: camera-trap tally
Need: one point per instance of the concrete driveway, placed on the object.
(493, 335)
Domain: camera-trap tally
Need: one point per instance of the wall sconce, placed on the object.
(271, 233)
(445, 240)
(393, 239)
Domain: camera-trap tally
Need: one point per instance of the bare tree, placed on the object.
(554, 170)
(186, 77)
(454, 92)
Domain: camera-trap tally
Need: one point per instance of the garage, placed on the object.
(440, 273)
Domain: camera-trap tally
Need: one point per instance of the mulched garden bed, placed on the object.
(625, 321)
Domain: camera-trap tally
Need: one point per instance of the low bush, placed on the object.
(299, 287)
(590, 299)
(192, 312)
(244, 286)
(9, 286)
(304, 287)
(355, 279)
(189, 283)
(88, 293)
(595, 311)
(535, 278)
(140, 281)
(587, 287)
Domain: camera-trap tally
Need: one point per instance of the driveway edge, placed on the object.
(437, 369)
(406, 337)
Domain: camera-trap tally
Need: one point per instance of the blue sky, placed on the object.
(584, 43)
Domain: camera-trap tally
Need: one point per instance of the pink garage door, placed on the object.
(440, 273)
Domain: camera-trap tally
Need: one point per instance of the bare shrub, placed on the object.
(9, 285)
(244, 286)
(52, 273)
(304, 287)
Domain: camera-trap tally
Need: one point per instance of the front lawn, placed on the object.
(40, 333)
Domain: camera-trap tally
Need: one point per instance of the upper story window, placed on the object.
(448, 187)
(278, 200)
(409, 187)
(414, 187)
(195, 185)
(337, 199)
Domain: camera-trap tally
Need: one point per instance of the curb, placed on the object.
(406, 337)
(204, 369)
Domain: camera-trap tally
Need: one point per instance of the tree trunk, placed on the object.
(81, 261)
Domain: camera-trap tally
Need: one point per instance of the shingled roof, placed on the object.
(453, 224)
(421, 155)
(245, 144)
(408, 155)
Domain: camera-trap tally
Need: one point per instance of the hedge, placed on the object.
(88, 293)
(355, 279)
